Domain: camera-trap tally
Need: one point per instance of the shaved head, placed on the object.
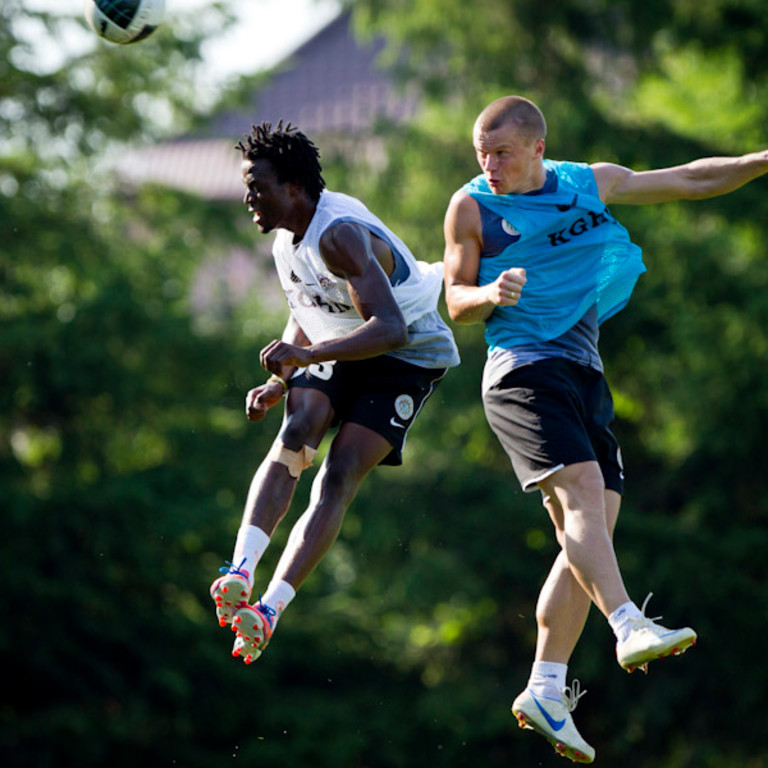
(512, 111)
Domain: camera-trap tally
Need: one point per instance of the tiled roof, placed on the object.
(330, 85)
(206, 167)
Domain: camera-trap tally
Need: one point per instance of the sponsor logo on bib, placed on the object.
(509, 228)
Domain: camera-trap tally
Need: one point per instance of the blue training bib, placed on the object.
(575, 254)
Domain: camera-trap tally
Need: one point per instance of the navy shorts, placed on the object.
(553, 413)
(382, 393)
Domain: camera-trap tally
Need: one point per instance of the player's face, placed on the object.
(510, 162)
(270, 201)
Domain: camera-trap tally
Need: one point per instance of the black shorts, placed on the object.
(553, 413)
(382, 393)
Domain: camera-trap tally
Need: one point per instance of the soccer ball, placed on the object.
(124, 21)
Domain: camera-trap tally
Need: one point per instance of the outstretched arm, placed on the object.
(466, 301)
(697, 180)
(348, 251)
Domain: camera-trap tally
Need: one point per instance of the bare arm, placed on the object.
(260, 399)
(292, 334)
(348, 251)
(467, 302)
(697, 180)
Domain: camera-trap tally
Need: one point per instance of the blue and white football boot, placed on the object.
(551, 717)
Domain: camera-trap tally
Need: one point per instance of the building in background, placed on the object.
(331, 87)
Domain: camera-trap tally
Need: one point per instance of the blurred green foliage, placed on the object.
(124, 458)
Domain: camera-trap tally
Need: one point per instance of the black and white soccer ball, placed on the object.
(124, 21)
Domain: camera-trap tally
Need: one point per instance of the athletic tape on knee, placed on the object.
(295, 461)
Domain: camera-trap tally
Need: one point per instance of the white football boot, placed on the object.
(551, 717)
(648, 641)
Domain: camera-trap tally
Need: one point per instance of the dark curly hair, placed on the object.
(294, 158)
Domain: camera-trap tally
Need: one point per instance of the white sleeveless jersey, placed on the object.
(319, 300)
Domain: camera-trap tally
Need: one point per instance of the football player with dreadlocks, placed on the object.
(363, 349)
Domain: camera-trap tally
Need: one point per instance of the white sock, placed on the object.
(279, 593)
(619, 620)
(548, 678)
(249, 547)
